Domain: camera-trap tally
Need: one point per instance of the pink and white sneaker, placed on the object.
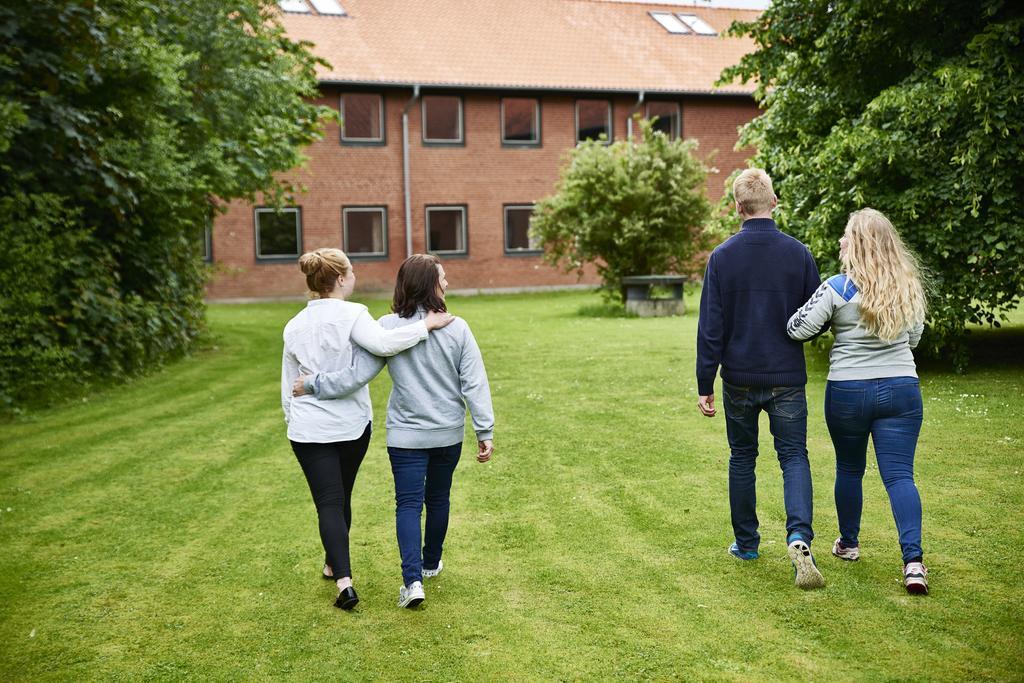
(915, 578)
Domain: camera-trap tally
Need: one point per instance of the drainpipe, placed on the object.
(634, 110)
(405, 169)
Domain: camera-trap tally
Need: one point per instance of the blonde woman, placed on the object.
(330, 437)
(876, 308)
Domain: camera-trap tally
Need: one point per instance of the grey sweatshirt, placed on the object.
(432, 384)
(856, 354)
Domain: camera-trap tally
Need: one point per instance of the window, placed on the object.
(362, 118)
(330, 7)
(517, 230)
(293, 6)
(442, 119)
(697, 25)
(365, 230)
(666, 115)
(520, 121)
(670, 21)
(208, 242)
(446, 229)
(278, 233)
(593, 119)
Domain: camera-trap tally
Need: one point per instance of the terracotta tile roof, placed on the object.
(543, 44)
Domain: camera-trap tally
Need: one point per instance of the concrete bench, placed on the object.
(638, 295)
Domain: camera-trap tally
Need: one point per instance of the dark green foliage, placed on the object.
(123, 126)
(630, 208)
(914, 108)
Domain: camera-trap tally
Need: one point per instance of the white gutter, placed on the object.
(405, 170)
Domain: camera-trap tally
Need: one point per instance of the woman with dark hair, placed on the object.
(329, 438)
(433, 383)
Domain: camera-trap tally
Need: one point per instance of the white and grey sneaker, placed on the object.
(411, 595)
(850, 553)
(807, 574)
(915, 578)
(431, 573)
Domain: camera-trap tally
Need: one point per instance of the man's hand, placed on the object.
(299, 386)
(706, 404)
(486, 450)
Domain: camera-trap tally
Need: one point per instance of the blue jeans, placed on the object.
(422, 475)
(787, 420)
(890, 411)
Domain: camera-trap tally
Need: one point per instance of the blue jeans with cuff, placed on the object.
(787, 420)
(890, 411)
(423, 476)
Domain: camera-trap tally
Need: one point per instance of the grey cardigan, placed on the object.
(432, 385)
(856, 354)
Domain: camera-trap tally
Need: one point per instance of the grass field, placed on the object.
(163, 530)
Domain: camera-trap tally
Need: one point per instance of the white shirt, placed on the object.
(319, 339)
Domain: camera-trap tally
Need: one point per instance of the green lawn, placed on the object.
(164, 530)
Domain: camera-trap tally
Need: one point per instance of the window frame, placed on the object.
(538, 142)
(465, 229)
(517, 252)
(441, 142)
(365, 208)
(362, 142)
(610, 119)
(679, 116)
(277, 258)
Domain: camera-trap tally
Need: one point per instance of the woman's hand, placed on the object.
(299, 386)
(486, 450)
(435, 320)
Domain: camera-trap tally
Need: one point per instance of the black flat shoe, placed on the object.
(347, 599)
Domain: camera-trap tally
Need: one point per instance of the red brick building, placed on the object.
(456, 116)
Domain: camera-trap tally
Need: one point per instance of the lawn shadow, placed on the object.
(605, 310)
(990, 349)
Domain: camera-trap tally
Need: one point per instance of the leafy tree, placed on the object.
(123, 126)
(630, 208)
(915, 108)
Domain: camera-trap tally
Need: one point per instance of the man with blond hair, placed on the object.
(754, 282)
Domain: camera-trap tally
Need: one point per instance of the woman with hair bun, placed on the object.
(432, 385)
(330, 437)
(876, 307)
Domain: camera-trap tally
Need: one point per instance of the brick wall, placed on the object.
(481, 175)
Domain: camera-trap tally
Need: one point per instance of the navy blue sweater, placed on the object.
(754, 282)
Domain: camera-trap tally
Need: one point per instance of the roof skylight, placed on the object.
(670, 22)
(329, 7)
(293, 6)
(697, 24)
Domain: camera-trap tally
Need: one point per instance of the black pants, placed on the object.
(330, 470)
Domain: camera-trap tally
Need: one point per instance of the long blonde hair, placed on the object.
(322, 268)
(887, 274)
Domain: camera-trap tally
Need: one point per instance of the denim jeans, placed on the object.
(787, 420)
(422, 475)
(890, 411)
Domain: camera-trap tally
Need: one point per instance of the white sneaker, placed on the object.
(915, 578)
(850, 553)
(807, 574)
(431, 573)
(411, 595)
